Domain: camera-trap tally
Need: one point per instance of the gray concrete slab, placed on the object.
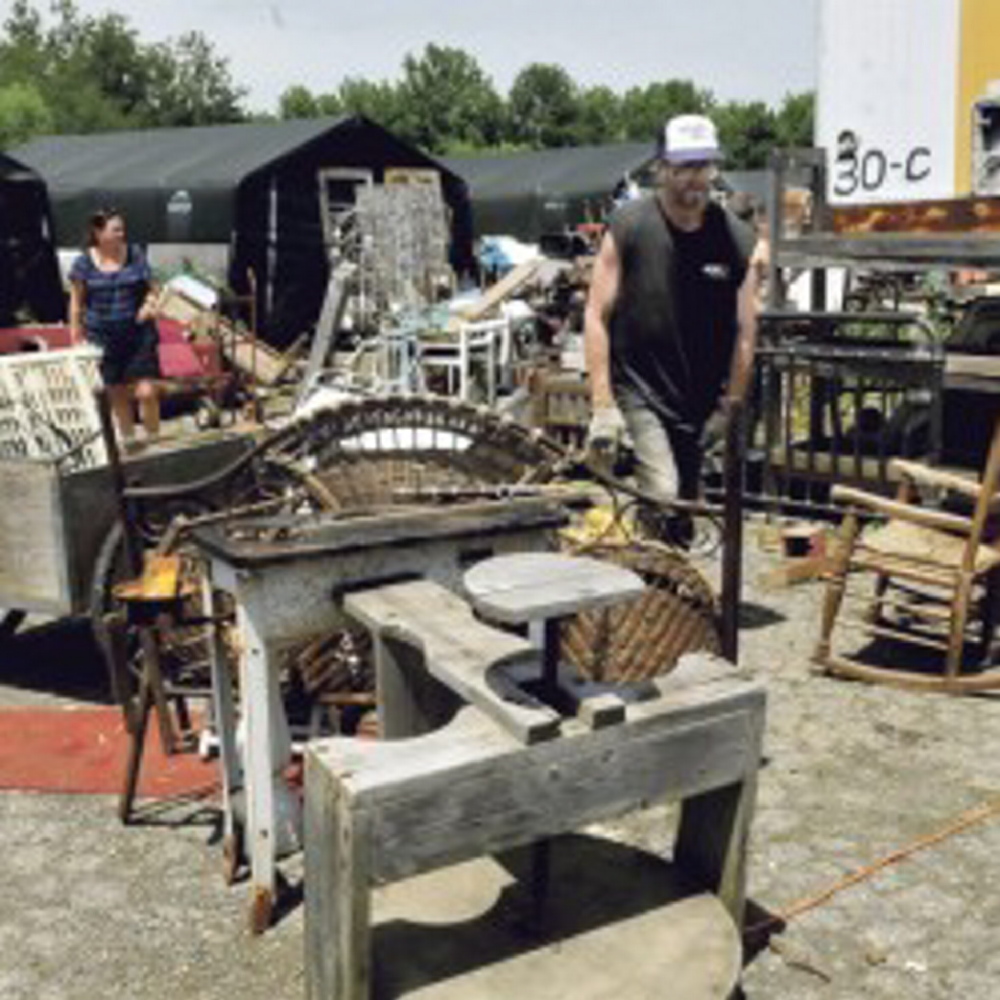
(618, 921)
(93, 909)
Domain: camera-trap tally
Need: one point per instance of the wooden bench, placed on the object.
(496, 774)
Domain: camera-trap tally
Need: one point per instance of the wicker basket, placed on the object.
(646, 636)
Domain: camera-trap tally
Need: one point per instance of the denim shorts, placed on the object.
(129, 356)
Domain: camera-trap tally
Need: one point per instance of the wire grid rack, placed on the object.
(47, 407)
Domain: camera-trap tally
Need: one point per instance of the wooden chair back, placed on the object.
(989, 499)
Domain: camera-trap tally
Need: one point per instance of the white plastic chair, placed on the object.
(487, 341)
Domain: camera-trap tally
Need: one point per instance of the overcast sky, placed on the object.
(737, 49)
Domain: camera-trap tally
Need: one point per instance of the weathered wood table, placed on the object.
(288, 577)
(482, 761)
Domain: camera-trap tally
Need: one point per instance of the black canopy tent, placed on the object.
(29, 272)
(528, 194)
(549, 190)
(253, 187)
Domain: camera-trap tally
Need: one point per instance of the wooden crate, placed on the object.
(250, 355)
(562, 408)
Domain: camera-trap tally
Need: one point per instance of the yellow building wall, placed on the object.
(978, 64)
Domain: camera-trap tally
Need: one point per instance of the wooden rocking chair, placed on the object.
(936, 575)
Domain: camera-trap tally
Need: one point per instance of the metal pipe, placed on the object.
(133, 557)
(732, 541)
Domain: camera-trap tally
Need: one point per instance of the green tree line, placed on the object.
(74, 73)
(71, 73)
(445, 103)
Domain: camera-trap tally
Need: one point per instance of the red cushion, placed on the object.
(179, 361)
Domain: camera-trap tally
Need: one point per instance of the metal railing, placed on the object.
(837, 396)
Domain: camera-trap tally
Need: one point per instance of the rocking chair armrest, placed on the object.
(921, 473)
(902, 511)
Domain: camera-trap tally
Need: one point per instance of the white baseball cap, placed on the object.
(689, 138)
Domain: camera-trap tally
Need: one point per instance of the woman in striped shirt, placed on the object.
(113, 303)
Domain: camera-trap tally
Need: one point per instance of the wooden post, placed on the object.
(712, 841)
(817, 278)
(144, 703)
(714, 830)
(410, 701)
(776, 228)
(337, 895)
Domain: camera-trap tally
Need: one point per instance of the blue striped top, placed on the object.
(112, 298)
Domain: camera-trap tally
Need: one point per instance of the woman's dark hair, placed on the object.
(98, 221)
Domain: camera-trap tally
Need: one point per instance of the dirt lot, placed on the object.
(853, 773)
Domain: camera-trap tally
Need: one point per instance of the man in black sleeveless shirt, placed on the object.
(670, 324)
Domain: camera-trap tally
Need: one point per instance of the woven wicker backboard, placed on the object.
(375, 451)
(644, 637)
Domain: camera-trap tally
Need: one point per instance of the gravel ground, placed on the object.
(853, 773)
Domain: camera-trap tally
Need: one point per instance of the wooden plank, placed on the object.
(886, 632)
(468, 790)
(904, 251)
(795, 569)
(692, 694)
(836, 466)
(32, 545)
(502, 290)
(458, 650)
(713, 836)
(903, 511)
(327, 326)
(921, 473)
(337, 898)
(350, 937)
(325, 536)
(320, 835)
(252, 356)
(530, 586)
(931, 612)
(411, 701)
(604, 710)
(950, 216)
(412, 175)
(971, 365)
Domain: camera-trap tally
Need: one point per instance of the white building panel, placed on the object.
(888, 79)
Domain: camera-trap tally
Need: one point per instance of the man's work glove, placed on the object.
(713, 436)
(606, 431)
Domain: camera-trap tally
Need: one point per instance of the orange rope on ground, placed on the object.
(971, 817)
